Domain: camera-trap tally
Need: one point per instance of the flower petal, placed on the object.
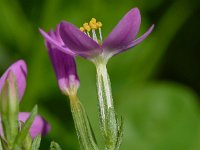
(65, 68)
(56, 42)
(78, 42)
(39, 126)
(19, 70)
(133, 43)
(125, 31)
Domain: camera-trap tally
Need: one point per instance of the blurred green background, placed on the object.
(156, 85)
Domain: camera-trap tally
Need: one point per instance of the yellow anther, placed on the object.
(93, 25)
(99, 24)
(87, 27)
(82, 29)
(93, 20)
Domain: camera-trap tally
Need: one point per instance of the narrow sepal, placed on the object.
(27, 142)
(55, 146)
(3, 144)
(9, 106)
(36, 142)
(111, 128)
(84, 131)
(120, 133)
(25, 128)
(1, 147)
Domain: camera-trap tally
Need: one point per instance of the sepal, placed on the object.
(9, 107)
(55, 146)
(25, 128)
(27, 142)
(3, 144)
(36, 142)
(83, 128)
(120, 133)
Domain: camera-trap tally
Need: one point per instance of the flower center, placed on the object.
(93, 25)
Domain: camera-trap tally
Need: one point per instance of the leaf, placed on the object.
(160, 116)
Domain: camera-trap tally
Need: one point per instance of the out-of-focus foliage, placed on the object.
(158, 115)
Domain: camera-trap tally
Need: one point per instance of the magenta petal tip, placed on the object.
(19, 70)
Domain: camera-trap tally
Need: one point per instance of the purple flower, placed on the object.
(87, 45)
(64, 65)
(19, 70)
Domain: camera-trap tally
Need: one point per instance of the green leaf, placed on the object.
(25, 128)
(160, 116)
(36, 142)
(55, 146)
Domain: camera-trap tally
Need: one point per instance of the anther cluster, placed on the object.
(93, 25)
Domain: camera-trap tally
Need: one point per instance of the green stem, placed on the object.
(82, 125)
(108, 121)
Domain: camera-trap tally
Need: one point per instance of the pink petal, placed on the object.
(135, 42)
(78, 42)
(57, 43)
(125, 31)
(39, 126)
(19, 70)
(65, 68)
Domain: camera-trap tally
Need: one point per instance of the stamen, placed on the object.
(92, 25)
(93, 20)
(99, 25)
(88, 34)
(86, 27)
(94, 36)
(82, 29)
(100, 35)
